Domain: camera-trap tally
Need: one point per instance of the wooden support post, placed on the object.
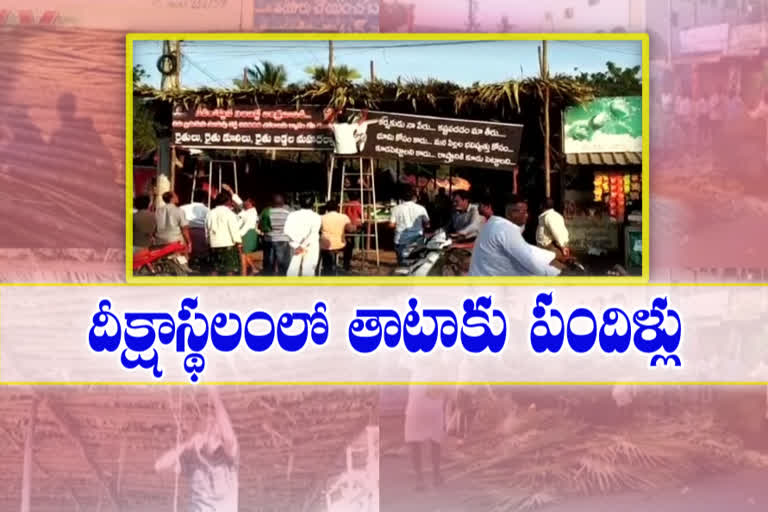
(26, 480)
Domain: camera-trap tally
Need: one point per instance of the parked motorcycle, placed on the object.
(168, 260)
(436, 255)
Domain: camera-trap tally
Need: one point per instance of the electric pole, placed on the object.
(330, 60)
(171, 75)
(544, 65)
(373, 72)
(471, 24)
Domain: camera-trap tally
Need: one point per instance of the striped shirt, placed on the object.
(277, 218)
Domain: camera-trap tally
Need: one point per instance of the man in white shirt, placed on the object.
(196, 212)
(349, 137)
(551, 233)
(501, 250)
(702, 123)
(409, 220)
(223, 231)
(717, 111)
(210, 461)
(761, 112)
(303, 230)
(684, 114)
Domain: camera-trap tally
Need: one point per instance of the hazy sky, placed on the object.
(216, 63)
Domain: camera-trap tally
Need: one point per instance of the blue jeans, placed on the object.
(399, 250)
(276, 254)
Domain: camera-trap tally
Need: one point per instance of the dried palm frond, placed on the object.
(550, 455)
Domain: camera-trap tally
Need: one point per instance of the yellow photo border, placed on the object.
(385, 280)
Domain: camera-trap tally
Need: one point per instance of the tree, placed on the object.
(340, 73)
(144, 128)
(615, 81)
(265, 75)
(139, 74)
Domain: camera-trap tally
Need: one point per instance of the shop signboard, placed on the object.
(357, 16)
(600, 233)
(605, 125)
(747, 39)
(708, 39)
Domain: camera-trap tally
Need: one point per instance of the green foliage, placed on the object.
(139, 74)
(266, 75)
(341, 74)
(615, 81)
(144, 131)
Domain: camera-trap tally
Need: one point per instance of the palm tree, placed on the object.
(266, 75)
(341, 73)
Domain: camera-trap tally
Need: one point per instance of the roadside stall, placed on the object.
(602, 192)
(284, 141)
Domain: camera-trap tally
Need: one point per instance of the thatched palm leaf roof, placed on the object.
(292, 443)
(503, 100)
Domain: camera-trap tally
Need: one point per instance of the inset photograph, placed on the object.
(134, 449)
(387, 158)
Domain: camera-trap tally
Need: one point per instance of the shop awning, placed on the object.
(624, 158)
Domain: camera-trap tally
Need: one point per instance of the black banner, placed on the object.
(431, 140)
(250, 127)
(442, 141)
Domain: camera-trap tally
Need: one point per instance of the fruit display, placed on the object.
(616, 191)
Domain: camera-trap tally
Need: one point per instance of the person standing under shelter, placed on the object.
(196, 212)
(303, 230)
(354, 210)
(249, 228)
(551, 233)
(172, 225)
(210, 461)
(761, 112)
(717, 111)
(409, 220)
(335, 227)
(466, 221)
(501, 250)
(144, 224)
(223, 229)
(277, 251)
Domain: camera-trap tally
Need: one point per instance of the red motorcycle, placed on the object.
(167, 260)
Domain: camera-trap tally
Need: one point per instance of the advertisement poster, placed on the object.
(605, 125)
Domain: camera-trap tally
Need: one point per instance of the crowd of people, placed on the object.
(494, 228)
(226, 239)
(702, 126)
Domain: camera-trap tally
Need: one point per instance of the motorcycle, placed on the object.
(167, 260)
(436, 255)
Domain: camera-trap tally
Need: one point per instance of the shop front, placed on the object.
(602, 183)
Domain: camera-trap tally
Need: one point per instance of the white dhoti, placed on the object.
(304, 264)
(424, 416)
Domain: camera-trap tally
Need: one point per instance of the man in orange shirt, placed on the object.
(354, 210)
(335, 227)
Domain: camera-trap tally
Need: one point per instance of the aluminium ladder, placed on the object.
(367, 191)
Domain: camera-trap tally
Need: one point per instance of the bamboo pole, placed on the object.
(26, 480)
(544, 63)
